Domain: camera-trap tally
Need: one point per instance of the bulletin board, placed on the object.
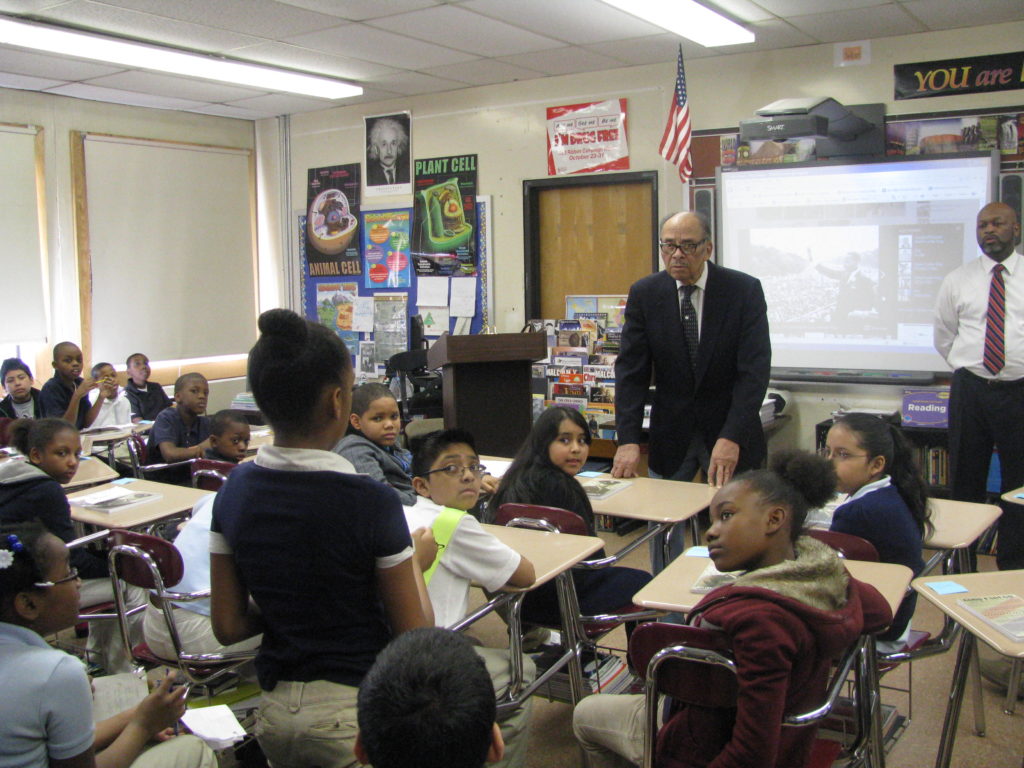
(318, 291)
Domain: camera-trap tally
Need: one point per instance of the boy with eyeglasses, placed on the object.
(447, 477)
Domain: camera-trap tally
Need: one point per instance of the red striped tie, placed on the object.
(994, 341)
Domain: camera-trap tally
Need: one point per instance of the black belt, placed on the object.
(993, 383)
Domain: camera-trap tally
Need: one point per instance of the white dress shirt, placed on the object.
(961, 317)
(696, 298)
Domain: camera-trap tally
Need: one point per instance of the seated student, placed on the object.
(792, 611)
(46, 707)
(147, 397)
(427, 702)
(66, 395)
(543, 472)
(192, 619)
(229, 437)
(31, 490)
(371, 442)
(22, 401)
(115, 410)
(182, 431)
(446, 475)
(886, 503)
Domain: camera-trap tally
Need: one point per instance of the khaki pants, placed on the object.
(610, 730)
(308, 725)
(514, 728)
(179, 752)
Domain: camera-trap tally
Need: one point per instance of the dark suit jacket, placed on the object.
(723, 397)
(375, 172)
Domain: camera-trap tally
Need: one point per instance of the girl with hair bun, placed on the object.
(316, 557)
(792, 611)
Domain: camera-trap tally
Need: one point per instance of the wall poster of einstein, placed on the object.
(388, 153)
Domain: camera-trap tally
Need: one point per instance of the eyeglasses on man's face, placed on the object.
(687, 249)
(72, 575)
(456, 470)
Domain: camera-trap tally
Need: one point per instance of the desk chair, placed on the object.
(177, 472)
(210, 474)
(410, 368)
(155, 564)
(695, 667)
(588, 629)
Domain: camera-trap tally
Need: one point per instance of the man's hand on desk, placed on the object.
(724, 457)
(627, 456)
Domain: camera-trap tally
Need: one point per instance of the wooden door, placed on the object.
(588, 236)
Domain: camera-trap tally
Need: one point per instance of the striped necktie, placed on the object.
(689, 316)
(994, 341)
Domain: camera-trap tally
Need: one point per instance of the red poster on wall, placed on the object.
(584, 138)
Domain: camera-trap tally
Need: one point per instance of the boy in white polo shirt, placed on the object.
(446, 474)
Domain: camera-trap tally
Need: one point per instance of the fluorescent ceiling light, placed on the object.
(688, 19)
(150, 57)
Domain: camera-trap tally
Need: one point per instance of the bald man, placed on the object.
(986, 353)
(702, 331)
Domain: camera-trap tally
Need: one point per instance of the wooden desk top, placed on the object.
(91, 471)
(550, 553)
(259, 436)
(174, 500)
(978, 585)
(959, 523)
(670, 589)
(656, 500)
(117, 435)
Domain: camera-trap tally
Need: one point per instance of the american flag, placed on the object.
(675, 144)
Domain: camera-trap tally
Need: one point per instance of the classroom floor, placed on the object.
(552, 744)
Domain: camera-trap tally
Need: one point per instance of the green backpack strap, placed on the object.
(443, 527)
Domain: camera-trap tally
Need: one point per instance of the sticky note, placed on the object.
(122, 481)
(946, 587)
(588, 474)
(696, 552)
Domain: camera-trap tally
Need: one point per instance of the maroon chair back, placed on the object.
(846, 544)
(563, 519)
(205, 473)
(164, 553)
(5, 437)
(139, 446)
(686, 681)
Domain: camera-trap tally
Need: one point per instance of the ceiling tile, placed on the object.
(95, 93)
(411, 83)
(950, 14)
(464, 30)
(769, 35)
(225, 110)
(176, 87)
(147, 26)
(28, 6)
(263, 18)
(484, 72)
(807, 7)
(563, 61)
(360, 10)
(26, 83)
(284, 104)
(55, 67)
(574, 21)
(884, 21)
(741, 10)
(308, 60)
(371, 44)
(651, 50)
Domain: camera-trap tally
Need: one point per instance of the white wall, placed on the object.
(504, 124)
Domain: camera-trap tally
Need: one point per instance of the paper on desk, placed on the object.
(216, 725)
(112, 694)
(463, 297)
(432, 292)
(946, 587)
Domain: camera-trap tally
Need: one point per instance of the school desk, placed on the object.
(259, 436)
(670, 591)
(552, 555)
(978, 585)
(958, 524)
(91, 471)
(113, 437)
(173, 501)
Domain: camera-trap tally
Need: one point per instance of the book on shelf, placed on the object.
(599, 488)
(1002, 612)
(114, 499)
(712, 578)
(569, 401)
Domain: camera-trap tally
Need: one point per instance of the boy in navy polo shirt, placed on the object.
(147, 397)
(66, 395)
(182, 432)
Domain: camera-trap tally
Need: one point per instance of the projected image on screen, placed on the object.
(851, 257)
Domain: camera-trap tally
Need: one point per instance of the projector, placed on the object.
(781, 127)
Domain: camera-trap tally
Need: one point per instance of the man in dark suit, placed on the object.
(706, 401)
(387, 160)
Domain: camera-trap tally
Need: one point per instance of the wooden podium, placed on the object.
(486, 386)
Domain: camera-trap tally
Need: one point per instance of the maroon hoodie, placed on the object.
(785, 625)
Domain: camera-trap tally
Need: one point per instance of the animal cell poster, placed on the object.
(444, 233)
(332, 222)
(386, 248)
